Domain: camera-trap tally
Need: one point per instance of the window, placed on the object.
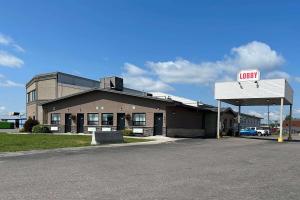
(33, 95)
(107, 119)
(93, 118)
(55, 118)
(139, 119)
(28, 97)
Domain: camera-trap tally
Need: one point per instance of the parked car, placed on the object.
(261, 131)
(248, 132)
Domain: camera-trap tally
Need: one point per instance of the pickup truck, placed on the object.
(261, 131)
(248, 132)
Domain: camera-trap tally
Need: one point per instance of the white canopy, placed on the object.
(255, 93)
(263, 92)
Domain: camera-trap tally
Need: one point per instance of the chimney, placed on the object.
(111, 83)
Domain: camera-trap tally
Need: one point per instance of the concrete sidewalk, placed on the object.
(156, 140)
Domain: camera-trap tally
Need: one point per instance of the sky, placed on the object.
(177, 47)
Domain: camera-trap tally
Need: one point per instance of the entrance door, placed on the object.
(68, 123)
(158, 124)
(120, 121)
(80, 123)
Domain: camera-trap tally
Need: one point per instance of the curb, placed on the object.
(74, 149)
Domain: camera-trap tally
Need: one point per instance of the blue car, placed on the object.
(248, 132)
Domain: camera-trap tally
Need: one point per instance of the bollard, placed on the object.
(94, 142)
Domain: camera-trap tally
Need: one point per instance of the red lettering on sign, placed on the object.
(248, 75)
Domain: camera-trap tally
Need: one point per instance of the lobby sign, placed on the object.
(248, 75)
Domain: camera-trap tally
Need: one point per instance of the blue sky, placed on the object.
(179, 47)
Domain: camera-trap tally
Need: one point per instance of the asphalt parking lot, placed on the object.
(231, 168)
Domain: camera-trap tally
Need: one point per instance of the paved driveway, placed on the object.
(232, 168)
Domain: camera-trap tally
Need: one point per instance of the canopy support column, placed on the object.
(268, 116)
(290, 122)
(219, 119)
(239, 120)
(280, 138)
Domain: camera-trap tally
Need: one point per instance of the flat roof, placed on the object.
(52, 74)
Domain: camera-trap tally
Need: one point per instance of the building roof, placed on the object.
(253, 116)
(215, 109)
(110, 91)
(176, 98)
(54, 74)
(8, 117)
(96, 83)
(228, 109)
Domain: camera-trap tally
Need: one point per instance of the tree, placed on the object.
(29, 124)
(288, 117)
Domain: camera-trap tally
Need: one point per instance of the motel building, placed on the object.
(68, 103)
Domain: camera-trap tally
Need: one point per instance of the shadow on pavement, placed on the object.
(268, 138)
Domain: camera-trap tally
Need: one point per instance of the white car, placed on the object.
(260, 131)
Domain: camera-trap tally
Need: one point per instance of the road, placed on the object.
(231, 168)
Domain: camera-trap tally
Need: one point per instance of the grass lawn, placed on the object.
(19, 142)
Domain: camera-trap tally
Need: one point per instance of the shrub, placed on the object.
(29, 124)
(128, 132)
(40, 129)
(7, 125)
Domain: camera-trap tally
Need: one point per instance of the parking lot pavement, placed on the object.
(226, 169)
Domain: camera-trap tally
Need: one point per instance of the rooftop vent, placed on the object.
(114, 83)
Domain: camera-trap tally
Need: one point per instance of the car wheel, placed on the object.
(259, 133)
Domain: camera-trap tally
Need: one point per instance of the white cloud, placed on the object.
(146, 84)
(137, 78)
(133, 70)
(9, 60)
(183, 71)
(18, 48)
(297, 111)
(8, 41)
(255, 113)
(297, 79)
(9, 83)
(4, 40)
(252, 55)
(278, 74)
(274, 116)
(256, 55)
(2, 110)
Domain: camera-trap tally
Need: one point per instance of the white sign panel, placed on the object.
(106, 129)
(248, 75)
(54, 128)
(91, 129)
(137, 130)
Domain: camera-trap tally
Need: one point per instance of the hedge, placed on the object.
(40, 129)
(7, 125)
